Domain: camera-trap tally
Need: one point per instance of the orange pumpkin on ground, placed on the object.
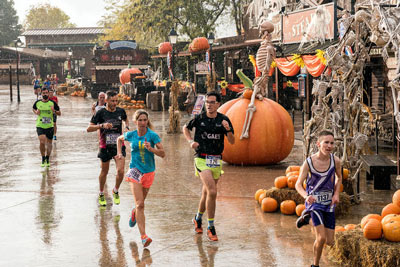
(390, 218)
(345, 173)
(292, 173)
(164, 48)
(373, 229)
(261, 197)
(391, 231)
(288, 207)
(390, 209)
(247, 93)
(125, 75)
(349, 227)
(269, 204)
(291, 182)
(396, 198)
(339, 229)
(293, 169)
(270, 140)
(133, 101)
(280, 182)
(199, 44)
(258, 193)
(366, 218)
(299, 209)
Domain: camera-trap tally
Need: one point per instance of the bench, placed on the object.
(379, 168)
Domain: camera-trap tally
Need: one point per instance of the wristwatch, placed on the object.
(126, 127)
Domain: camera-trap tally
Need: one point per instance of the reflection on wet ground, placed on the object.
(51, 218)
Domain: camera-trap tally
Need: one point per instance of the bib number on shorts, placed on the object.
(111, 139)
(324, 198)
(213, 161)
(135, 174)
(46, 120)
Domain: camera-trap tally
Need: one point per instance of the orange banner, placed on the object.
(287, 67)
(314, 65)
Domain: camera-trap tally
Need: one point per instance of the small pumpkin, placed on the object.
(288, 207)
(345, 174)
(292, 173)
(292, 169)
(339, 229)
(164, 48)
(280, 182)
(269, 204)
(396, 198)
(391, 231)
(247, 93)
(261, 197)
(291, 181)
(390, 218)
(199, 44)
(299, 209)
(390, 209)
(350, 227)
(373, 229)
(365, 219)
(341, 188)
(258, 193)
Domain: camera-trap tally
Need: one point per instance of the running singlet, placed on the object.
(98, 107)
(321, 185)
(45, 118)
(141, 158)
(36, 84)
(209, 133)
(108, 137)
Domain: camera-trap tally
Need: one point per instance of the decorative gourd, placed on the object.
(199, 44)
(390, 218)
(299, 209)
(366, 218)
(292, 169)
(269, 204)
(271, 133)
(291, 182)
(390, 209)
(258, 193)
(350, 227)
(339, 229)
(391, 231)
(247, 93)
(280, 182)
(345, 174)
(261, 197)
(373, 229)
(125, 75)
(164, 48)
(396, 198)
(288, 207)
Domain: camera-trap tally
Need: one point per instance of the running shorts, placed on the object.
(135, 176)
(200, 165)
(109, 152)
(49, 132)
(327, 219)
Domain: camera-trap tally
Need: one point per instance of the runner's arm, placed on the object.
(158, 150)
(93, 127)
(189, 138)
(302, 176)
(126, 124)
(231, 138)
(35, 109)
(119, 145)
(93, 108)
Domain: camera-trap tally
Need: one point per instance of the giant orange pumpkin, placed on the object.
(373, 229)
(269, 204)
(199, 44)
(125, 74)
(396, 198)
(271, 133)
(390, 209)
(164, 48)
(288, 207)
(391, 231)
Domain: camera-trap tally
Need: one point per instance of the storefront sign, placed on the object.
(202, 66)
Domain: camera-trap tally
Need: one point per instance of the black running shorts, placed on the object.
(49, 132)
(106, 154)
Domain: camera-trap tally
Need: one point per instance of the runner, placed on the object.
(109, 121)
(53, 98)
(145, 143)
(47, 83)
(322, 192)
(45, 108)
(208, 143)
(36, 86)
(100, 103)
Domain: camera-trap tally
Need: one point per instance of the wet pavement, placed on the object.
(51, 217)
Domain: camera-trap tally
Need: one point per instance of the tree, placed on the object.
(9, 27)
(45, 16)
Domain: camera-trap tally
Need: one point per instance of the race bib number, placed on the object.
(111, 139)
(324, 198)
(135, 174)
(46, 120)
(213, 161)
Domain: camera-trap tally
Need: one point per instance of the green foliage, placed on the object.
(45, 16)
(9, 27)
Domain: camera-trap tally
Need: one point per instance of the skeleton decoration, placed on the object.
(265, 56)
(260, 11)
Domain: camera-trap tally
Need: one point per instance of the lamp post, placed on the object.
(17, 43)
(69, 62)
(173, 37)
(211, 39)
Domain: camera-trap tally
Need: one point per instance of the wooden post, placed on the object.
(10, 73)
(276, 85)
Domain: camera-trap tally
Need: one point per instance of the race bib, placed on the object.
(213, 161)
(46, 120)
(135, 174)
(111, 139)
(324, 198)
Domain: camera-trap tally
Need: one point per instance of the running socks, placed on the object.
(211, 222)
(115, 190)
(47, 158)
(199, 215)
(43, 159)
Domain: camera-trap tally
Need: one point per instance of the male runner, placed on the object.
(109, 121)
(100, 103)
(208, 143)
(53, 98)
(45, 109)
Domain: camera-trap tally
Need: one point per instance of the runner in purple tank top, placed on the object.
(322, 192)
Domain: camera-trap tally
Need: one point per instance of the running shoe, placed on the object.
(102, 200)
(146, 241)
(47, 163)
(304, 219)
(197, 225)
(211, 234)
(116, 198)
(43, 163)
(54, 137)
(132, 219)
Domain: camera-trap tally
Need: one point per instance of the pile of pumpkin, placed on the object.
(78, 93)
(125, 102)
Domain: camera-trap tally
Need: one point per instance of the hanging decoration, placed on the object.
(287, 66)
(169, 59)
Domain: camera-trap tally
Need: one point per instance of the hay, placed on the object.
(353, 249)
(174, 115)
(288, 193)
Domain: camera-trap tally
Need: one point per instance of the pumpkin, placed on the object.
(269, 204)
(292, 173)
(291, 181)
(391, 231)
(270, 140)
(373, 229)
(125, 74)
(288, 207)
(390, 209)
(280, 182)
(339, 229)
(304, 184)
(199, 44)
(396, 198)
(292, 169)
(133, 101)
(299, 209)
(341, 188)
(247, 93)
(258, 193)
(345, 174)
(261, 197)
(390, 218)
(350, 227)
(366, 218)
(164, 48)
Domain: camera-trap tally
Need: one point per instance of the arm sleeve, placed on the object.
(128, 136)
(34, 105)
(156, 138)
(96, 118)
(192, 123)
(56, 106)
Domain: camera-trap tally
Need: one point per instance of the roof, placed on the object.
(65, 31)
(42, 53)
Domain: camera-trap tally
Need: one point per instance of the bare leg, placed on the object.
(202, 204)
(49, 146)
(140, 194)
(42, 144)
(210, 185)
(320, 239)
(120, 163)
(103, 174)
